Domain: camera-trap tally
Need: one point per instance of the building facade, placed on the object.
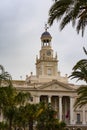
(49, 86)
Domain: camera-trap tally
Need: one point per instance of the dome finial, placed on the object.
(46, 27)
(46, 37)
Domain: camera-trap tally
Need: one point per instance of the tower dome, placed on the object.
(46, 37)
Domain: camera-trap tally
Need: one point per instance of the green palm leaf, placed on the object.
(82, 97)
(74, 11)
(4, 75)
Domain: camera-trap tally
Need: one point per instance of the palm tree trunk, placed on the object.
(0, 82)
(24, 127)
(10, 124)
(30, 124)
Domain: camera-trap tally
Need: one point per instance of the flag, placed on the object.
(68, 113)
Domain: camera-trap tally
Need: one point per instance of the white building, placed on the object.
(49, 86)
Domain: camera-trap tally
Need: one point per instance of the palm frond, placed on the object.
(80, 69)
(82, 97)
(2, 68)
(82, 22)
(4, 75)
(85, 50)
(66, 20)
(80, 64)
(57, 10)
(61, 9)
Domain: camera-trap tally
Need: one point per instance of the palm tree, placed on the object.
(31, 114)
(80, 69)
(82, 97)
(20, 120)
(4, 75)
(9, 102)
(80, 72)
(3, 126)
(9, 113)
(67, 11)
(7, 95)
(46, 119)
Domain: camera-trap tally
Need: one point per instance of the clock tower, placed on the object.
(46, 64)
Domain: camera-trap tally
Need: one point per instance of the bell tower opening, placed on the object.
(46, 37)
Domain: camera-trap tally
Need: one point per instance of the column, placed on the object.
(37, 99)
(71, 110)
(49, 99)
(60, 108)
(83, 116)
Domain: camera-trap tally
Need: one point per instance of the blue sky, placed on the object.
(21, 25)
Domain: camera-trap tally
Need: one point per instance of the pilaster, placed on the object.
(84, 116)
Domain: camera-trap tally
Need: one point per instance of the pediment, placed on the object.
(56, 86)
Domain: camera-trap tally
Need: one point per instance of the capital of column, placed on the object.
(60, 96)
(72, 96)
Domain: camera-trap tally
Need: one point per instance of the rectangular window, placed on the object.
(78, 118)
(49, 72)
(31, 99)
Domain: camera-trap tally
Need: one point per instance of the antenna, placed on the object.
(46, 27)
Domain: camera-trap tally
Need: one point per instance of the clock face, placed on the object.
(48, 52)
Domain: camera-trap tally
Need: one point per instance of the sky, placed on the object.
(21, 25)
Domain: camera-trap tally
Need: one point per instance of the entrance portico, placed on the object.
(61, 105)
